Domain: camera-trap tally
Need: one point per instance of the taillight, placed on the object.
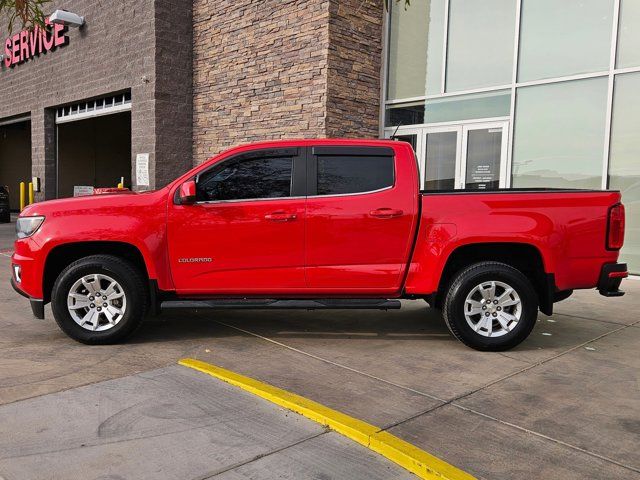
(615, 227)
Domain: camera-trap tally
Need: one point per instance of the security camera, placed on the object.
(68, 19)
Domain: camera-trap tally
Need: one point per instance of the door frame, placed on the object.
(462, 128)
(461, 180)
(419, 151)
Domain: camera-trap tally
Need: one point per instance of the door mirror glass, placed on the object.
(188, 193)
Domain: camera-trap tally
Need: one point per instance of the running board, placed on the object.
(315, 304)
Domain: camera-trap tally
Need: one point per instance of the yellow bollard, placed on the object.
(30, 193)
(22, 196)
(121, 183)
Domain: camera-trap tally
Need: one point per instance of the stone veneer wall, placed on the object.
(284, 69)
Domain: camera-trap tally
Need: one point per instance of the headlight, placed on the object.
(27, 226)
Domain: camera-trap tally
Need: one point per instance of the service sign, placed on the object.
(29, 44)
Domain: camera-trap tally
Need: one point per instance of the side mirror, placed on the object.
(188, 193)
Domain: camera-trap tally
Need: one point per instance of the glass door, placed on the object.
(470, 156)
(484, 158)
(441, 165)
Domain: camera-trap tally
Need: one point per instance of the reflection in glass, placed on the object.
(624, 167)
(249, 179)
(440, 171)
(342, 175)
(559, 134)
(484, 147)
(480, 43)
(567, 37)
(416, 39)
(629, 34)
(466, 107)
(404, 114)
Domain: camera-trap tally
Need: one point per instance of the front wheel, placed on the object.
(491, 306)
(99, 299)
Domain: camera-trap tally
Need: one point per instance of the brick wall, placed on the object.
(116, 50)
(284, 69)
(354, 68)
(260, 71)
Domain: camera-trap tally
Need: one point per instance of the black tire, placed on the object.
(463, 284)
(133, 286)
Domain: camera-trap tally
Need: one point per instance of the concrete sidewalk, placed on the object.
(173, 423)
(563, 405)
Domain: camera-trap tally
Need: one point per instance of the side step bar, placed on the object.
(314, 304)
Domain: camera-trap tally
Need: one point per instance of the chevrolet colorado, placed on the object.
(317, 224)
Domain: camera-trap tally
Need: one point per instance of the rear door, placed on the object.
(245, 233)
(361, 214)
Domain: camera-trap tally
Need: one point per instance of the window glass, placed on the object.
(629, 34)
(624, 167)
(404, 114)
(340, 175)
(484, 152)
(567, 37)
(440, 163)
(466, 107)
(559, 134)
(416, 36)
(480, 43)
(243, 180)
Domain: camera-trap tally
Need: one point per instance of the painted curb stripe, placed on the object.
(408, 456)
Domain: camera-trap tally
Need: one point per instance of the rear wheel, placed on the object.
(491, 306)
(99, 299)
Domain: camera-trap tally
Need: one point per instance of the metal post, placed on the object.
(30, 193)
(22, 196)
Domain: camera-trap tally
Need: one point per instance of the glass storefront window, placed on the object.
(629, 34)
(624, 161)
(480, 43)
(467, 107)
(559, 134)
(567, 37)
(416, 36)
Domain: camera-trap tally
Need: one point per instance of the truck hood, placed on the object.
(102, 203)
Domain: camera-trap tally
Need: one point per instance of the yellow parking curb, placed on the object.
(408, 456)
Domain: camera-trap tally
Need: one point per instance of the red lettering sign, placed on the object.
(28, 44)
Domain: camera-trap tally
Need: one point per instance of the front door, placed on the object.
(484, 156)
(469, 156)
(245, 234)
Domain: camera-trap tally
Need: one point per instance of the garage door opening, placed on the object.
(94, 145)
(15, 158)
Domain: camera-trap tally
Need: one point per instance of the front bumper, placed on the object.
(611, 276)
(37, 304)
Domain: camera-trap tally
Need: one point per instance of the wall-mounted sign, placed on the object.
(82, 190)
(142, 169)
(28, 44)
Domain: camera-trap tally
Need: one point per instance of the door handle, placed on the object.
(386, 213)
(280, 216)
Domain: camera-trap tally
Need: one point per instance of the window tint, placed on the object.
(255, 178)
(343, 174)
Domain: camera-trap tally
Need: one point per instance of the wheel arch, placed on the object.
(523, 256)
(63, 255)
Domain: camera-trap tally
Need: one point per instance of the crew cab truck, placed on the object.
(317, 224)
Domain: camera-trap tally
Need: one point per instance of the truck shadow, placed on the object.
(415, 322)
(406, 324)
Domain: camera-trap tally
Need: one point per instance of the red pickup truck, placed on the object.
(317, 224)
